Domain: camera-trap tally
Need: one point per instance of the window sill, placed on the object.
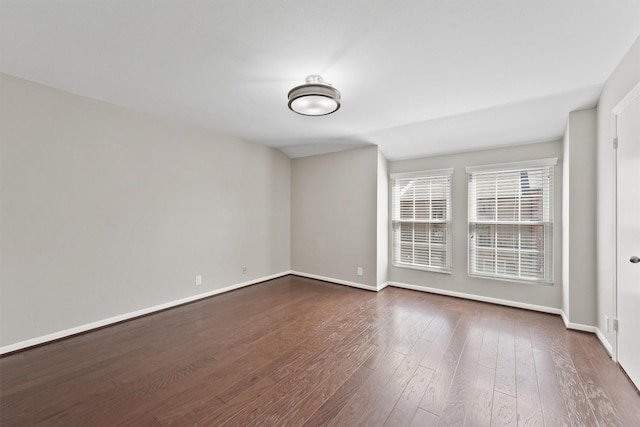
(417, 267)
(506, 279)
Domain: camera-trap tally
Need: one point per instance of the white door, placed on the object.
(627, 121)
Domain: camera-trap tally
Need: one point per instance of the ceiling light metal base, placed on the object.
(314, 98)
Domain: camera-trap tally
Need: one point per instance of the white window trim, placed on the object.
(448, 223)
(504, 167)
(420, 174)
(500, 167)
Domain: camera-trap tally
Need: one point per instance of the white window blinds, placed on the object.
(511, 221)
(421, 220)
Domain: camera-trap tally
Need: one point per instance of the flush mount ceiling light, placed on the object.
(314, 98)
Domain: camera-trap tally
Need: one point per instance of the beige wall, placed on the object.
(333, 212)
(579, 218)
(106, 211)
(619, 84)
(459, 281)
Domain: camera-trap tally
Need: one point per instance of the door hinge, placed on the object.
(614, 324)
(615, 142)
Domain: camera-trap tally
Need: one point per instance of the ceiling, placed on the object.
(417, 77)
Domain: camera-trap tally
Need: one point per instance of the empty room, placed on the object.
(319, 213)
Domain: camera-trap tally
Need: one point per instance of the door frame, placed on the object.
(633, 93)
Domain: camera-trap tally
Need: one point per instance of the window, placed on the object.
(421, 220)
(511, 221)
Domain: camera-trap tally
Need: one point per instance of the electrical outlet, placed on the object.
(244, 270)
(198, 280)
(359, 271)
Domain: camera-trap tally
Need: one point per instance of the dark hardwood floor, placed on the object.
(296, 351)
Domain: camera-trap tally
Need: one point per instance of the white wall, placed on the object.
(382, 211)
(565, 219)
(579, 218)
(621, 81)
(544, 296)
(333, 215)
(105, 211)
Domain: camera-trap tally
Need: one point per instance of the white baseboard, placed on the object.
(581, 327)
(340, 281)
(564, 319)
(508, 303)
(127, 316)
(605, 343)
(586, 328)
(516, 304)
(576, 326)
(569, 325)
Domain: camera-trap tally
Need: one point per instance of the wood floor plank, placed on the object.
(504, 411)
(527, 393)
(318, 341)
(17, 411)
(303, 376)
(506, 360)
(405, 408)
(432, 330)
(479, 413)
(619, 389)
(413, 335)
(297, 351)
(291, 369)
(460, 394)
(391, 335)
(489, 347)
(334, 404)
(224, 375)
(380, 408)
(554, 410)
(477, 329)
(595, 389)
(361, 399)
(576, 400)
(217, 414)
(424, 419)
(449, 323)
(437, 391)
(316, 386)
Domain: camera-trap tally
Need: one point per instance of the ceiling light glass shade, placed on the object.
(314, 98)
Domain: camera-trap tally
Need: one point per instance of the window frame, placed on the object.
(546, 222)
(397, 220)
